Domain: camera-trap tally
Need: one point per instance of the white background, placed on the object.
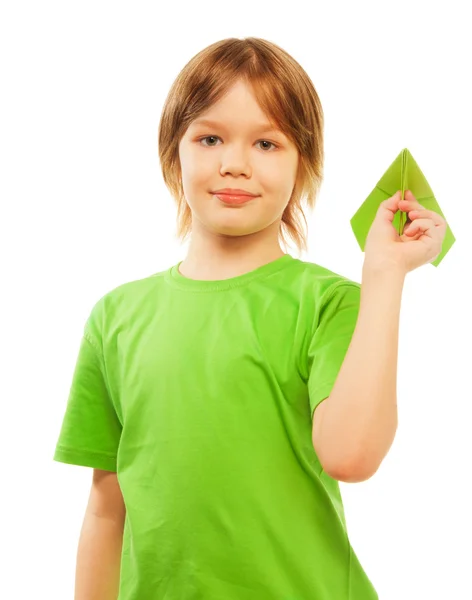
(84, 209)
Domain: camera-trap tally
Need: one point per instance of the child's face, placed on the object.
(239, 156)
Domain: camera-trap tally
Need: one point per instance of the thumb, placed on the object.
(397, 196)
(391, 205)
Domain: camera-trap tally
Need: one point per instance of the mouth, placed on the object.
(234, 198)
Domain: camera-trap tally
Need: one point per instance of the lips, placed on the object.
(234, 192)
(234, 198)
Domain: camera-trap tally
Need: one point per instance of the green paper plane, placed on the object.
(403, 174)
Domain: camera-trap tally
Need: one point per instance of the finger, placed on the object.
(408, 196)
(428, 214)
(425, 226)
(391, 205)
(410, 204)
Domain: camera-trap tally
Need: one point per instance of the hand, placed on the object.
(420, 242)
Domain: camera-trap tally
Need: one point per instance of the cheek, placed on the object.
(197, 171)
(274, 176)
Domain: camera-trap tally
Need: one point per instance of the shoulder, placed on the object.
(124, 301)
(324, 283)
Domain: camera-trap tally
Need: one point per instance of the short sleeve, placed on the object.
(91, 429)
(335, 324)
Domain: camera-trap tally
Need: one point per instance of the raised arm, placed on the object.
(355, 427)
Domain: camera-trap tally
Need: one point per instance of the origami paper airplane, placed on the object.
(403, 174)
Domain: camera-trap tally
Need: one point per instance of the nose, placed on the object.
(235, 161)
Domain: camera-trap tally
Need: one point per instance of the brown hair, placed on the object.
(284, 92)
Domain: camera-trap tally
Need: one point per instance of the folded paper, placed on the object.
(403, 174)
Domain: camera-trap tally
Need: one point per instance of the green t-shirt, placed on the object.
(200, 395)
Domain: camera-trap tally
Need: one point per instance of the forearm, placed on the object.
(360, 419)
(98, 559)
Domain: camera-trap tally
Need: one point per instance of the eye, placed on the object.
(207, 137)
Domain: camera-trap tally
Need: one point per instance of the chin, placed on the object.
(235, 230)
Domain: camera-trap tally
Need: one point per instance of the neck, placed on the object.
(222, 257)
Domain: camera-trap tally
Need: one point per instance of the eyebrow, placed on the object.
(260, 128)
